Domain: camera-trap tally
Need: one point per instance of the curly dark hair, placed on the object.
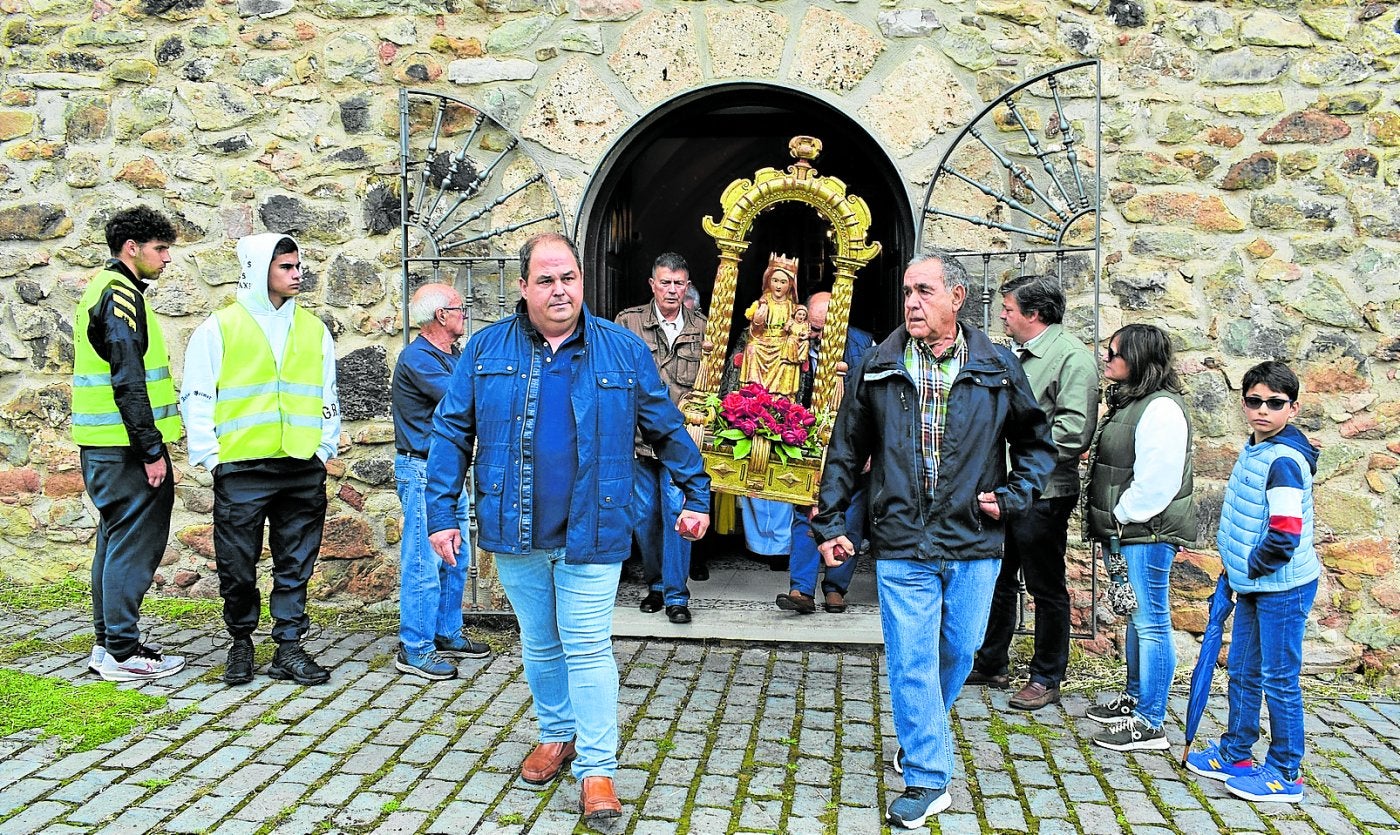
(139, 224)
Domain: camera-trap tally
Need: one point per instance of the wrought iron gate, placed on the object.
(1019, 189)
(469, 195)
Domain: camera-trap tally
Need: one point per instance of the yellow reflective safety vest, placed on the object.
(259, 413)
(96, 420)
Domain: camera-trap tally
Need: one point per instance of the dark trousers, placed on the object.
(1035, 545)
(290, 495)
(134, 524)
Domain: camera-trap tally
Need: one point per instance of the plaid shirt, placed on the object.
(933, 378)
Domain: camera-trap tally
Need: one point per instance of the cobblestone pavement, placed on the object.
(716, 738)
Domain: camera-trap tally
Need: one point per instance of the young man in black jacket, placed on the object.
(124, 416)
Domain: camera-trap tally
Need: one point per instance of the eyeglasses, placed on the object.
(458, 308)
(1110, 355)
(1275, 404)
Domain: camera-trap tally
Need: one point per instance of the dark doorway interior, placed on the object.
(668, 172)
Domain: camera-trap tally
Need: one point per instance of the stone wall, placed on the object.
(1252, 157)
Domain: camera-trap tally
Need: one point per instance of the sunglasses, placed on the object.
(1110, 355)
(1275, 404)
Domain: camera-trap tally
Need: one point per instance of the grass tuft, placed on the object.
(82, 716)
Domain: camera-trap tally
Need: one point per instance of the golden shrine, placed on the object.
(753, 463)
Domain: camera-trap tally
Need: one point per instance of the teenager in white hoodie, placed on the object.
(263, 415)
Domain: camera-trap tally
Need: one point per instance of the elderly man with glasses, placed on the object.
(430, 590)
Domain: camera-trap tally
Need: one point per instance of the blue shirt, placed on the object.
(556, 442)
(420, 380)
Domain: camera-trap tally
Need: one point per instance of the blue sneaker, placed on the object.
(430, 665)
(1266, 785)
(1210, 763)
(912, 808)
(460, 646)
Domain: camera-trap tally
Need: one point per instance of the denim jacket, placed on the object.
(488, 417)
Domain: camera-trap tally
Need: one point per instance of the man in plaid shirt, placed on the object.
(939, 411)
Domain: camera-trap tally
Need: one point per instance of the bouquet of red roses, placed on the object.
(753, 411)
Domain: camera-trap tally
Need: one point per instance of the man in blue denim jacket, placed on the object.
(545, 404)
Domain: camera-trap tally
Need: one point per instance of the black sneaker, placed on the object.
(292, 662)
(239, 669)
(1114, 712)
(1132, 734)
(460, 646)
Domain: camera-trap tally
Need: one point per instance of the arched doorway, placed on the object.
(649, 194)
(667, 172)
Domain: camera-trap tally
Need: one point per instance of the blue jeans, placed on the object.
(565, 613)
(806, 560)
(665, 555)
(932, 613)
(430, 590)
(1151, 653)
(1266, 657)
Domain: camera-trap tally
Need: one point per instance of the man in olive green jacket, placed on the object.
(1064, 379)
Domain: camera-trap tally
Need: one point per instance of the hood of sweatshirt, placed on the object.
(254, 257)
(1291, 436)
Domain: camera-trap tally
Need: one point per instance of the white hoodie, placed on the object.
(204, 357)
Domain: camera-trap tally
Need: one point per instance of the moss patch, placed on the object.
(76, 644)
(83, 716)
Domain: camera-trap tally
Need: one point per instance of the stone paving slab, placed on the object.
(716, 738)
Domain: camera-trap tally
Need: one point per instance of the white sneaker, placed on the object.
(100, 652)
(145, 664)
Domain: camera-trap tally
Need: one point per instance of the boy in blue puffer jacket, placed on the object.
(1266, 544)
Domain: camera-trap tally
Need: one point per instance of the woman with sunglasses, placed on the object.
(1139, 494)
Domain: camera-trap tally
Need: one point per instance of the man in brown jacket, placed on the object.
(673, 333)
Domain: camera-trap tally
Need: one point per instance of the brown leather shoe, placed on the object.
(598, 801)
(1034, 696)
(796, 601)
(546, 761)
(835, 602)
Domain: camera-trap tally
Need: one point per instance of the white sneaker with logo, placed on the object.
(145, 664)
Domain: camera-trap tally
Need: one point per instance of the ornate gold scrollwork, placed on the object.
(849, 219)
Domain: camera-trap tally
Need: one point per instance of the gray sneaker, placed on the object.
(1132, 734)
(1114, 712)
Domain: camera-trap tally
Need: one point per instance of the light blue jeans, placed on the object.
(430, 590)
(565, 614)
(1266, 658)
(1151, 653)
(933, 614)
(665, 555)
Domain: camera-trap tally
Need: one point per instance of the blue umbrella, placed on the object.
(1222, 603)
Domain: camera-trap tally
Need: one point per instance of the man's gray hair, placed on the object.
(428, 302)
(954, 273)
